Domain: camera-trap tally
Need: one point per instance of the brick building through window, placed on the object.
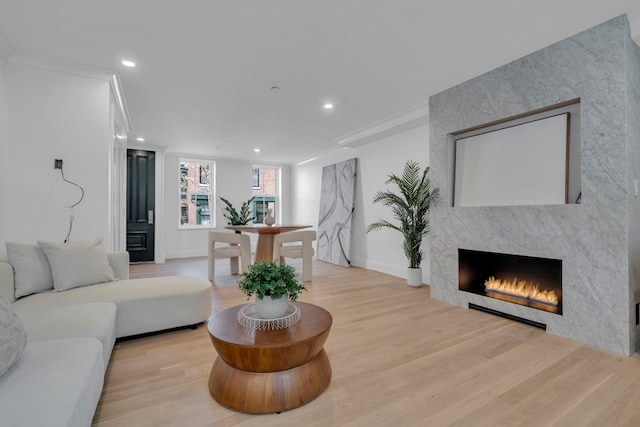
(265, 192)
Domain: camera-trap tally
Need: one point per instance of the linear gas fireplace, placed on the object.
(529, 281)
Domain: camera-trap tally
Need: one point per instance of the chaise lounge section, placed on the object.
(70, 335)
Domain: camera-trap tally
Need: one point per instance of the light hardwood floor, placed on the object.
(399, 358)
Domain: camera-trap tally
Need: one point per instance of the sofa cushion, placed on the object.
(88, 320)
(13, 337)
(31, 269)
(78, 264)
(144, 305)
(57, 383)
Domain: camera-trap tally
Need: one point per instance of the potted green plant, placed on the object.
(273, 285)
(410, 206)
(238, 218)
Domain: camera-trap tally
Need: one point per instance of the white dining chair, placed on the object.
(229, 245)
(303, 249)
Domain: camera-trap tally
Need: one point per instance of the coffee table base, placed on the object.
(268, 392)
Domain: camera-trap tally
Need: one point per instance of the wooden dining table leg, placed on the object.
(264, 251)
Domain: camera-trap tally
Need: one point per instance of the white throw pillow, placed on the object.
(13, 338)
(77, 264)
(32, 273)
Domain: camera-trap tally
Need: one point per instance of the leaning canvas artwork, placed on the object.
(336, 212)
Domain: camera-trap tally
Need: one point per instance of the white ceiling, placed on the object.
(205, 69)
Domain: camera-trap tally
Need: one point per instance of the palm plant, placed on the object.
(238, 218)
(410, 207)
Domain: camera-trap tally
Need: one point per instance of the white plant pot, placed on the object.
(414, 277)
(268, 308)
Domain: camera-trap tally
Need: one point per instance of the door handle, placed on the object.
(150, 217)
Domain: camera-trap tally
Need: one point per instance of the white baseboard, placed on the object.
(186, 254)
(382, 267)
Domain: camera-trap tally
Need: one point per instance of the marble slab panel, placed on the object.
(336, 212)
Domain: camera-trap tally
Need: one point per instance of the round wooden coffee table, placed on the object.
(260, 372)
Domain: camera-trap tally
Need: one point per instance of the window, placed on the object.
(196, 193)
(204, 174)
(261, 206)
(266, 192)
(255, 177)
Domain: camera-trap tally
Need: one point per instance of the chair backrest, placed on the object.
(305, 237)
(230, 238)
(236, 247)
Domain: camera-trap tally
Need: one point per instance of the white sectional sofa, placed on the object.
(58, 379)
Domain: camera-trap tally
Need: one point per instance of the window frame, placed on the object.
(199, 189)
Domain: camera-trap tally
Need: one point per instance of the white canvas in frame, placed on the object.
(519, 165)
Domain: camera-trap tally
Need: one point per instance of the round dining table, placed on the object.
(264, 251)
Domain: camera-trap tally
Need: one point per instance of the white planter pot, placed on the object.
(414, 277)
(268, 308)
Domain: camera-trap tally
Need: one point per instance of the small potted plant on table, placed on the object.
(273, 285)
(238, 218)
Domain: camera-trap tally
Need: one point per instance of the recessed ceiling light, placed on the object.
(129, 64)
(328, 106)
(140, 139)
(256, 150)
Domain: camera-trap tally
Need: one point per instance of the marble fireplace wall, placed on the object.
(592, 238)
(633, 161)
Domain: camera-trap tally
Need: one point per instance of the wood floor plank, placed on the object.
(398, 357)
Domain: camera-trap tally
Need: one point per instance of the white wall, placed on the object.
(4, 53)
(55, 115)
(378, 250)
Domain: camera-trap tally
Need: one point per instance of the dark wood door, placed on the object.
(141, 194)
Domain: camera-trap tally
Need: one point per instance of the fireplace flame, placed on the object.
(521, 289)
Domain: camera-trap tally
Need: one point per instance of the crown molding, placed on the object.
(400, 122)
(321, 155)
(135, 145)
(634, 25)
(118, 97)
(41, 61)
(54, 64)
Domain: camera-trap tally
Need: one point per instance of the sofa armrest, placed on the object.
(6, 280)
(119, 262)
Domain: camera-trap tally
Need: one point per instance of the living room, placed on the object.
(50, 111)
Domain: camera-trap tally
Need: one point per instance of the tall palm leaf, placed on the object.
(410, 207)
